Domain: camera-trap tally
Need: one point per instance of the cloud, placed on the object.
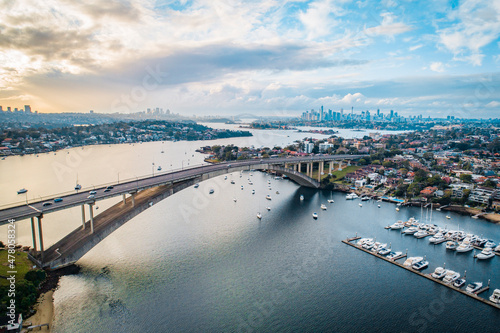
(493, 104)
(318, 19)
(437, 67)
(388, 27)
(415, 47)
(478, 24)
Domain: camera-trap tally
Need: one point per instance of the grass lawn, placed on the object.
(341, 174)
(23, 265)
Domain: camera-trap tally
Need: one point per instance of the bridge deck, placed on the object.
(79, 237)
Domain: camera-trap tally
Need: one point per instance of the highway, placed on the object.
(78, 198)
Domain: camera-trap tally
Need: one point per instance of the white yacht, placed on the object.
(411, 230)
(259, 215)
(369, 244)
(439, 273)
(397, 225)
(242, 187)
(330, 201)
(253, 191)
(497, 249)
(486, 253)
(451, 245)
(393, 255)
(451, 276)
(268, 208)
(360, 204)
(495, 297)
(211, 191)
(459, 283)
(490, 244)
(412, 260)
(437, 238)
(474, 287)
(301, 197)
(232, 182)
(363, 241)
(384, 251)
(421, 233)
(420, 265)
(323, 206)
(315, 215)
(351, 196)
(268, 197)
(234, 199)
(378, 246)
(465, 246)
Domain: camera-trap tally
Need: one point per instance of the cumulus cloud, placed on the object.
(388, 27)
(437, 67)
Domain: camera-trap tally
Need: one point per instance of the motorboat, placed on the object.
(301, 197)
(21, 191)
(393, 255)
(365, 198)
(486, 253)
(330, 201)
(253, 191)
(495, 297)
(420, 265)
(369, 244)
(351, 196)
(242, 187)
(412, 260)
(451, 276)
(384, 251)
(323, 206)
(421, 233)
(277, 192)
(211, 191)
(497, 249)
(397, 225)
(196, 185)
(268, 197)
(78, 187)
(490, 244)
(473, 287)
(268, 208)
(378, 246)
(362, 241)
(397, 209)
(360, 204)
(232, 182)
(234, 199)
(448, 217)
(459, 283)
(439, 237)
(439, 273)
(451, 245)
(411, 230)
(315, 215)
(465, 246)
(479, 242)
(250, 183)
(159, 168)
(259, 216)
(225, 177)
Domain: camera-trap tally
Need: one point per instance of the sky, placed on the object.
(275, 58)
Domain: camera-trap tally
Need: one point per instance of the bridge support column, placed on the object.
(124, 198)
(33, 233)
(330, 165)
(311, 169)
(83, 216)
(133, 199)
(40, 233)
(320, 170)
(91, 212)
(307, 169)
(300, 167)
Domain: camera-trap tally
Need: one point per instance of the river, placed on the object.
(199, 262)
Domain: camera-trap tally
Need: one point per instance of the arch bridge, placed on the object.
(138, 195)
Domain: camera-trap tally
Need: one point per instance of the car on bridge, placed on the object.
(58, 200)
(45, 204)
(110, 187)
(92, 192)
(92, 196)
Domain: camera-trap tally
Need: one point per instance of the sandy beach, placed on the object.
(44, 312)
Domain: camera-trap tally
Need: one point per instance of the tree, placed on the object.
(466, 178)
(490, 183)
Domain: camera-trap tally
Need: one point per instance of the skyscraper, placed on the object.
(27, 109)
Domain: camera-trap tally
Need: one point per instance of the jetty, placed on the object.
(475, 296)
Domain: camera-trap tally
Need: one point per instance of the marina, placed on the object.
(474, 295)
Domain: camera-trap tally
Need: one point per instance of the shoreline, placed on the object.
(44, 312)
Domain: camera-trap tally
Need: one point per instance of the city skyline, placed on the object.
(268, 58)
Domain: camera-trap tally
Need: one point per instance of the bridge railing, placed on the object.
(99, 186)
(162, 173)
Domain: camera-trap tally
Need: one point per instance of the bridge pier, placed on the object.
(307, 169)
(133, 199)
(91, 211)
(83, 216)
(124, 198)
(320, 170)
(40, 233)
(330, 164)
(300, 167)
(33, 234)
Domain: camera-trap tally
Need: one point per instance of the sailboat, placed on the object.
(331, 198)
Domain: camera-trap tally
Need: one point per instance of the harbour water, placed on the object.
(202, 262)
